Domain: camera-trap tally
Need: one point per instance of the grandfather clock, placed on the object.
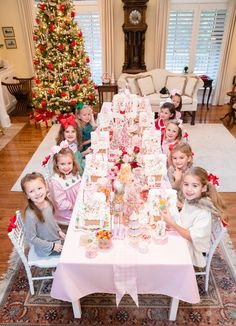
(134, 28)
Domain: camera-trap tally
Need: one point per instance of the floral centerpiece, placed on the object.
(104, 238)
(128, 155)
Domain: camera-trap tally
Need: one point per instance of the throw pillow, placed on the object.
(175, 82)
(190, 86)
(132, 85)
(146, 85)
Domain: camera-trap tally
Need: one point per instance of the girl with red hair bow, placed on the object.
(69, 131)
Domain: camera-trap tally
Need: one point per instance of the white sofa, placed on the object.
(151, 82)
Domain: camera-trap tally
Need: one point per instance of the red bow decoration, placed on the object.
(12, 224)
(65, 122)
(45, 161)
(172, 146)
(185, 135)
(213, 179)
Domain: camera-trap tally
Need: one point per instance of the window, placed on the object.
(195, 37)
(88, 20)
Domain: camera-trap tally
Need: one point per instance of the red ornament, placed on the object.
(77, 86)
(62, 8)
(63, 94)
(35, 37)
(72, 102)
(41, 47)
(36, 62)
(91, 97)
(72, 14)
(51, 28)
(33, 94)
(73, 44)
(43, 103)
(37, 81)
(87, 60)
(51, 91)
(84, 81)
(72, 63)
(64, 79)
(42, 6)
(60, 47)
(80, 34)
(37, 20)
(50, 66)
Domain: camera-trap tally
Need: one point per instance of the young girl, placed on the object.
(177, 101)
(65, 183)
(202, 203)
(180, 159)
(167, 112)
(86, 123)
(172, 136)
(70, 131)
(41, 228)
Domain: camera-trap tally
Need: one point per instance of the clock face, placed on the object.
(135, 17)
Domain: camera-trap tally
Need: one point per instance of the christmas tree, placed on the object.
(62, 72)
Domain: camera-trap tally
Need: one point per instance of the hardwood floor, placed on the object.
(17, 153)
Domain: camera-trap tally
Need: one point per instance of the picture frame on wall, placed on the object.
(10, 43)
(8, 31)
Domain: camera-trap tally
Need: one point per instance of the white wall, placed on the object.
(9, 17)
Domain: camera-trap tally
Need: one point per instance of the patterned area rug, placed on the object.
(217, 307)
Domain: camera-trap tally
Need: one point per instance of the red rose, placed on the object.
(77, 86)
(50, 66)
(118, 165)
(87, 60)
(63, 94)
(136, 149)
(73, 44)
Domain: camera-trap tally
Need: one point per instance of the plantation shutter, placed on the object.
(89, 23)
(209, 43)
(179, 40)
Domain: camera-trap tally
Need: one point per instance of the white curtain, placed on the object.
(220, 90)
(161, 29)
(107, 35)
(26, 14)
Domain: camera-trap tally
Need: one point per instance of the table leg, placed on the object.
(208, 97)
(77, 309)
(203, 95)
(173, 308)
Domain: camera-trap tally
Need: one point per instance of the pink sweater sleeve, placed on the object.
(60, 197)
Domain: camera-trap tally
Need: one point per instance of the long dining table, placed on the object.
(165, 268)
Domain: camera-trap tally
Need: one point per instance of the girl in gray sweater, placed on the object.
(42, 231)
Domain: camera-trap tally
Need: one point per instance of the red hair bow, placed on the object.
(12, 224)
(45, 161)
(65, 122)
(213, 179)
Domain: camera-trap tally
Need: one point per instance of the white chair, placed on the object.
(18, 238)
(217, 233)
